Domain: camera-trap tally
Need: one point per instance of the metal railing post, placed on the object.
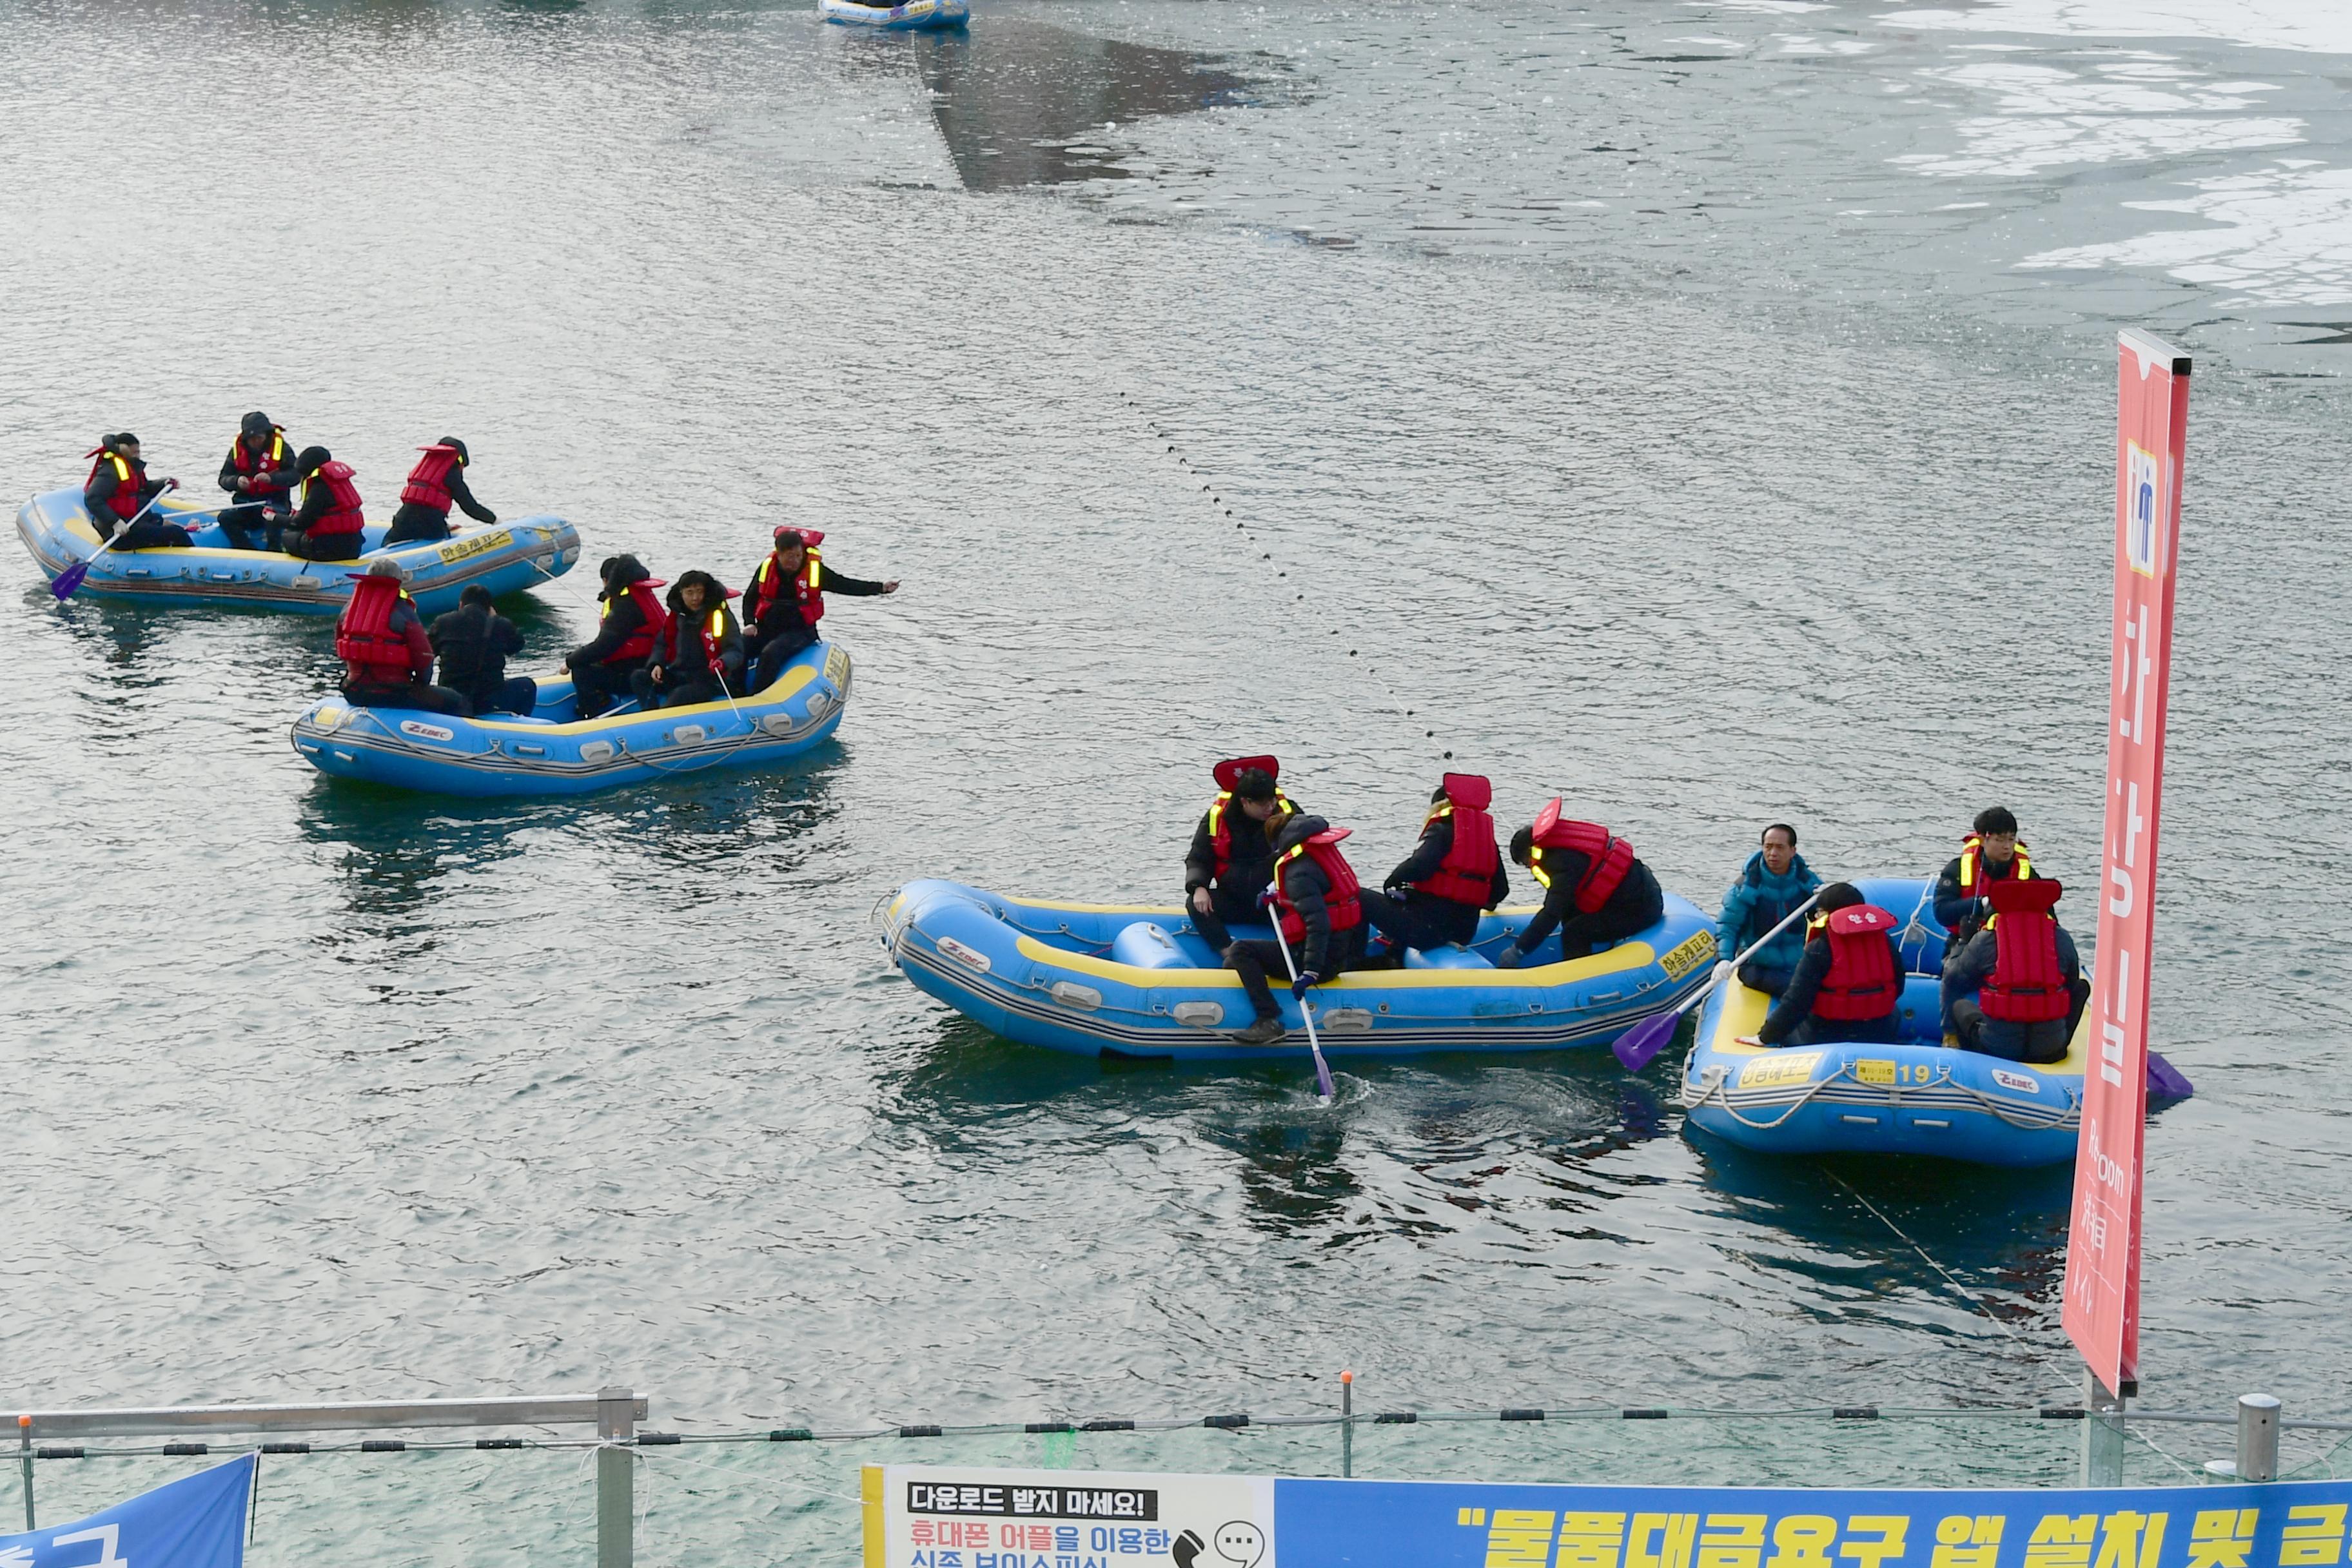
(615, 1479)
(2258, 1436)
(2103, 1434)
(1347, 1425)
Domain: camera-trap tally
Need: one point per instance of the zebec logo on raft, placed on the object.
(425, 731)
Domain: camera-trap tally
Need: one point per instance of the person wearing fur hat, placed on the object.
(699, 656)
(631, 618)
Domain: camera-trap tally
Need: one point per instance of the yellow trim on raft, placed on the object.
(1178, 911)
(1631, 955)
(1744, 1010)
(788, 686)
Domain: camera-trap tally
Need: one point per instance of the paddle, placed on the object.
(1645, 1039)
(2166, 1081)
(70, 578)
(1307, 1010)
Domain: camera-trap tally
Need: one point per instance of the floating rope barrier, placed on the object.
(918, 1431)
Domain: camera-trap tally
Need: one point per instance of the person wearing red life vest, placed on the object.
(435, 484)
(387, 658)
(786, 600)
(2017, 989)
(119, 490)
(1231, 860)
(633, 617)
(1319, 906)
(1454, 875)
(327, 525)
(259, 472)
(1849, 980)
(1595, 891)
(699, 656)
(1988, 856)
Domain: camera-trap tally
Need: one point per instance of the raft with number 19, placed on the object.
(1136, 980)
(1908, 1094)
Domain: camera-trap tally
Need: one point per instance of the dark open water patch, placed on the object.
(1025, 103)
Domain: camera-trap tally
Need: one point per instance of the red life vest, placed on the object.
(1863, 982)
(1977, 874)
(714, 638)
(641, 641)
(429, 482)
(372, 653)
(124, 502)
(2027, 985)
(807, 585)
(1342, 904)
(344, 516)
(1607, 857)
(242, 459)
(1466, 875)
(1221, 830)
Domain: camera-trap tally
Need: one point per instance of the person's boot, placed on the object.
(1265, 1032)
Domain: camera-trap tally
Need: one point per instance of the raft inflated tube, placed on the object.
(505, 558)
(552, 752)
(915, 15)
(1908, 1094)
(1131, 980)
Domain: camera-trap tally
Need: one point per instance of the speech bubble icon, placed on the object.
(1240, 1542)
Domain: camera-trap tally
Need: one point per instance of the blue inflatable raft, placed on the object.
(1121, 980)
(915, 15)
(1905, 1095)
(505, 558)
(553, 753)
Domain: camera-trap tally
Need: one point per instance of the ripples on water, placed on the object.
(1704, 412)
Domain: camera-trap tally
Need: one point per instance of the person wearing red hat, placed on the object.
(2017, 990)
(1452, 876)
(1231, 860)
(699, 656)
(787, 600)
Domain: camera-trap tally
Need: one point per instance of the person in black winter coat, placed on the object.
(150, 532)
(264, 486)
(1790, 1021)
(1966, 1024)
(677, 671)
(1320, 953)
(1416, 919)
(1217, 901)
(600, 668)
(420, 522)
(473, 643)
(782, 629)
(1637, 904)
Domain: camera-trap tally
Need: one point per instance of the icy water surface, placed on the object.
(1704, 410)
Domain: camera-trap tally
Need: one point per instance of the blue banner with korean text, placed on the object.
(926, 1517)
(1323, 1524)
(197, 1521)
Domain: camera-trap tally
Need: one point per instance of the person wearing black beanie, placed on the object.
(436, 483)
(259, 472)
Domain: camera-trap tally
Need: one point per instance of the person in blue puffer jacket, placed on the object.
(1775, 880)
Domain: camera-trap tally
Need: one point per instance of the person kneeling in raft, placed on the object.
(327, 526)
(387, 660)
(1595, 891)
(435, 484)
(1452, 876)
(631, 618)
(1231, 859)
(1317, 903)
(1849, 980)
(2017, 989)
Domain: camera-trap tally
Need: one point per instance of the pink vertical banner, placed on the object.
(2101, 1305)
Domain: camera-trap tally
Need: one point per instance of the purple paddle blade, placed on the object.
(69, 579)
(1645, 1039)
(1323, 1078)
(2166, 1081)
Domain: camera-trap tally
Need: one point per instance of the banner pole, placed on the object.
(1347, 1425)
(616, 1479)
(25, 1460)
(2258, 1433)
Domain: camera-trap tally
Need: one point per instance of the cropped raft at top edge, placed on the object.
(505, 558)
(1136, 981)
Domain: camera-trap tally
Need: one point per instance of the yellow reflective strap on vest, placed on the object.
(1443, 808)
(815, 571)
(1536, 867)
(718, 622)
(121, 468)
